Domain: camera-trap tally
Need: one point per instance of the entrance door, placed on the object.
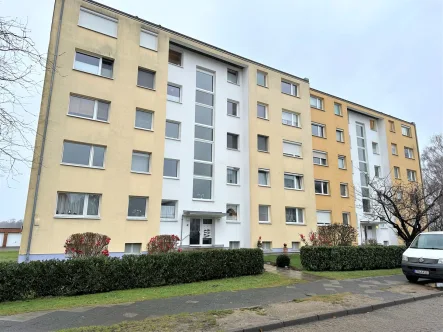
(194, 235)
(201, 232)
(207, 232)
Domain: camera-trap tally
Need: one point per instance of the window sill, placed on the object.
(323, 194)
(145, 129)
(145, 173)
(264, 185)
(265, 222)
(395, 154)
(145, 87)
(82, 166)
(321, 165)
(230, 149)
(233, 83)
(263, 151)
(76, 217)
(340, 141)
(85, 118)
(173, 101)
(316, 108)
(259, 117)
(344, 196)
(97, 75)
(203, 200)
(295, 189)
(292, 156)
(101, 33)
(175, 65)
(263, 86)
(319, 136)
(291, 95)
(137, 218)
(295, 224)
(341, 115)
(150, 49)
(285, 124)
(233, 116)
(173, 139)
(168, 220)
(171, 177)
(343, 169)
(376, 153)
(232, 222)
(233, 184)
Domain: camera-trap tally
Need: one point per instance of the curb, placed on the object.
(335, 314)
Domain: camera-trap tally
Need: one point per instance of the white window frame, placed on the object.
(86, 10)
(319, 125)
(91, 155)
(237, 108)
(144, 153)
(152, 34)
(179, 87)
(322, 188)
(339, 108)
(296, 177)
(265, 77)
(323, 153)
(407, 129)
(409, 153)
(292, 143)
(238, 142)
(397, 174)
(179, 130)
(238, 76)
(146, 208)
(394, 147)
(85, 207)
(376, 150)
(324, 211)
(345, 185)
(295, 119)
(344, 162)
(154, 83)
(269, 214)
(266, 111)
(348, 217)
(297, 210)
(236, 209)
(411, 175)
(319, 102)
(342, 135)
(132, 252)
(268, 177)
(267, 143)
(377, 171)
(294, 88)
(178, 169)
(99, 69)
(145, 111)
(174, 218)
(96, 101)
(238, 175)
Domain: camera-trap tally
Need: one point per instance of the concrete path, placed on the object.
(107, 315)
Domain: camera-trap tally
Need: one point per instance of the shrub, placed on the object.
(337, 235)
(162, 244)
(21, 281)
(312, 239)
(351, 258)
(88, 244)
(283, 260)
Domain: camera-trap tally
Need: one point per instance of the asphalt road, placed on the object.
(420, 316)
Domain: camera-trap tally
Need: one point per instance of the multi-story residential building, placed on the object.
(145, 131)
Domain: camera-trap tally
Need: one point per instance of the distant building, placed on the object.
(10, 233)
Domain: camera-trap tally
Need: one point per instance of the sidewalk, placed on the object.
(380, 288)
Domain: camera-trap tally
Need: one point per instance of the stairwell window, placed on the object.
(94, 64)
(88, 108)
(316, 102)
(77, 205)
(346, 218)
(377, 171)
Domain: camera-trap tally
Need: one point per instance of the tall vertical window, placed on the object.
(262, 78)
(340, 135)
(363, 166)
(406, 131)
(392, 126)
(344, 190)
(375, 148)
(397, 172)
(98, 22)
(337, 109)
(232, 108)
(290, 118)
(341, 162)
(232, 76)
(346, 218)
(88, 108)
(377, 171)
(232, 175)
(262, 111)
(394, 149)
(373, 124)
(263, 213)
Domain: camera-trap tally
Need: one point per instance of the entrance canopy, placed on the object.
(204, 214)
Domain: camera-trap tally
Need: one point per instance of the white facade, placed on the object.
(221, 231)
(375, 156)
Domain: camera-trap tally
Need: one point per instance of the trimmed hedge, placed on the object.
(351, 258)
(20, 281)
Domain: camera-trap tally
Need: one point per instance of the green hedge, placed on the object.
(19, 281)
(351, 258)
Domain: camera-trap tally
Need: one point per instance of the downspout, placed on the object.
(45, 130)
(181, 233)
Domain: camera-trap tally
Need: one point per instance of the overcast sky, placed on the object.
(384, 54)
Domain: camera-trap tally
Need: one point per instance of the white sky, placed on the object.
(384, 54)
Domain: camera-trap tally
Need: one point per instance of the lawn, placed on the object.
(8, 256)
(337, 275)
(231, 284)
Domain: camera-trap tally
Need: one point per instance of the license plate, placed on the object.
(421, 272)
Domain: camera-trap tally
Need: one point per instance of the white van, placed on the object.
(424, 257)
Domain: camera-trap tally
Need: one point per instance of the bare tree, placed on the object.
(408, 208)
(432, 160)
(19, 62)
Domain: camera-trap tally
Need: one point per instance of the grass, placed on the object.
(337, 275)
(132, 295)
(201, 321)
(8, 256)
(332, 298)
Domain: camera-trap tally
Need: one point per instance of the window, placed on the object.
(397, 172)
(205, 80)
(94, 65)
(263, 213)
(373, 124)
(341, 162)
(295, 246)
(174, 93)
(133, 248)
(175, 57)
(88, 108)
(232, 212)
(98, 22)
(263, 177)
(346, 217)
(339, 135)
(232, 141)
(232, 108)
(204, 133)
(291, 149)
(202, 169)
(202, 188)
(375, 148)
(412, 175)
(204, 98)
(232, 76)
(172, 129)
(391, 126)
(321, 187)
(318, 130)
(344, 190)
(337, 109)
(316, 102)
(294, 215)
(377, 171)
(320, 158)
(290, 118)
(409, 153)
(143, 119)
(148, 39)
(137, 207)
(146, 79)
(289, 88)
(203, 115)
(232, 175)
(406, 131)
(323, 217)
(293, 181)
(170, 168)
(83, 154)
(262, 78)
(234, 244)
(262, 143)
(168, 209)
(394, 149)
(262, 111)
(140, 162)
(78, 205)
(366, 205)
(202, 151)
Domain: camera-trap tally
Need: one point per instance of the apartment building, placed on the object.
(145, 131)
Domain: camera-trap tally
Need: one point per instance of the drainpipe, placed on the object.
(45, 130)
(181, 233)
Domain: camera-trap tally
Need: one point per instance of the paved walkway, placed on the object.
(107, 315)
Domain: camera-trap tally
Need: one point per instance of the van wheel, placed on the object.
(412, 279)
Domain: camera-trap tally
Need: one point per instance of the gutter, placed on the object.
(45, 130)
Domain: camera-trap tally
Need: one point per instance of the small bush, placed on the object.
(88, 244)
(283, 260)
(162, 244)
(351, 258)
(21, 281)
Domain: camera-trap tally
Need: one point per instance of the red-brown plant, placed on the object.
(162, 244)
(88, 244)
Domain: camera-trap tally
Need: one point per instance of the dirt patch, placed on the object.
(414, 289)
